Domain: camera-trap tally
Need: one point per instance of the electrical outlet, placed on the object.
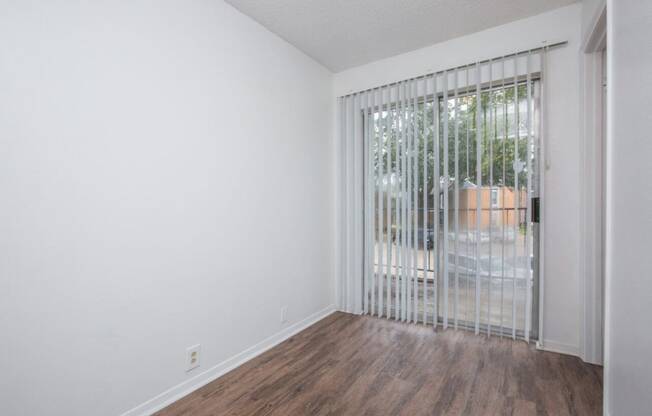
(284, 314)
(192, 357)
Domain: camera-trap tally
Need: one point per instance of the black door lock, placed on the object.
(535, 209)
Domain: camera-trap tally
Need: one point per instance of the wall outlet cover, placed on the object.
(193, 355)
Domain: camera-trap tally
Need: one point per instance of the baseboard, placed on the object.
(558, 347)
(590, 359)
(183, 389)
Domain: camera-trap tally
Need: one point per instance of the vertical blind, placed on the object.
(438, 174)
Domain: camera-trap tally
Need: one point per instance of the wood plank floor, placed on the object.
(360, 365)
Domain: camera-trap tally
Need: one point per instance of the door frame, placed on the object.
(592, 208)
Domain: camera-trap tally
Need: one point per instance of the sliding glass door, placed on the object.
(452, 185)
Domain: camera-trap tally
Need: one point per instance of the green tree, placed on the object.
(502, 130)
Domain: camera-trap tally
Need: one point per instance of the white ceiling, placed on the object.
(342, 34)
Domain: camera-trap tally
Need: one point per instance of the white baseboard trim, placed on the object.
(183, 389)
(558, 347)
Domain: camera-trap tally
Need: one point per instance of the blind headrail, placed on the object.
(484, 61)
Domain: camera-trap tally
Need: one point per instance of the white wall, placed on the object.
(166, 179)
(628, 365)
(562, 298)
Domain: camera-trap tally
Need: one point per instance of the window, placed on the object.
(494, 197)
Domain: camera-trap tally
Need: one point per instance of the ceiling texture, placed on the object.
(342, 34)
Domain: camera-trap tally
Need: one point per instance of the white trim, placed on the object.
(608, 214)
(591, 269)
(558, 347)
(340, 201)
(544, 161)
(183, 389)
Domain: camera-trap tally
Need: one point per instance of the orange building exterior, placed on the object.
(497, 206)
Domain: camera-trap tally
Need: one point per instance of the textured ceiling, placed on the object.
(345, 33)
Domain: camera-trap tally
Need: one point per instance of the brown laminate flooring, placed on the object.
(360, 365)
